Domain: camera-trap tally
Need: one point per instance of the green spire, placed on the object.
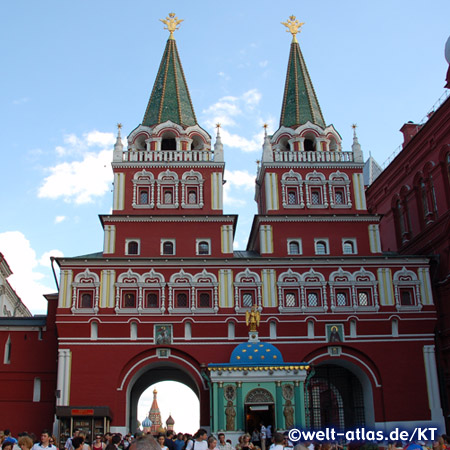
(300, 103)
(170, 99)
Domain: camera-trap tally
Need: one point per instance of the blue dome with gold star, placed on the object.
(146, 423)
(261, 353)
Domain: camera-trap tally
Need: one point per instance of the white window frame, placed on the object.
(355, 247)
(300, 248)
(197, 248)
(327, 245)
(163, 241)
(127, 241)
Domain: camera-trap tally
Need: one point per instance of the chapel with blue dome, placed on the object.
(259, 386)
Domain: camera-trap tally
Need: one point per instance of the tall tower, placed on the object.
(307, 181)
(155, 415)
(168, 182)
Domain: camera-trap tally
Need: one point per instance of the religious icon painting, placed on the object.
(163, 334)
(335, 332)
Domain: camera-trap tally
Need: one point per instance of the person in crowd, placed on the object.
(244, 442)
(161, 440)
(108, 437)
(212, 443)
(168, 442)
(256, 438)
(179, 442)
(278, 440)
(263, 436)
(199, 442)
(77, 443)
(98, 443)
(268, 435)
(68, 444)
(223, 444)
(145, 442)
(25, 443)
(9, 438)
(44, 443)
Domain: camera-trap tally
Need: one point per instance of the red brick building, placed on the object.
(168, 295)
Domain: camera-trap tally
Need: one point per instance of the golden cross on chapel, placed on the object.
(293, 26)
(172, 23)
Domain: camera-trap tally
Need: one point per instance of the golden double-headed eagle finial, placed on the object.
(172, 23)
(293, 26)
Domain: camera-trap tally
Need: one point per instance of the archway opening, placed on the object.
(174, 399)
(334, 398)
(177, 395)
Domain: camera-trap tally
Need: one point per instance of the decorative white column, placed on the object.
(434, 399)
(63, 381)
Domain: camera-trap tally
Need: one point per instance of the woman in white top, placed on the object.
(161, 439)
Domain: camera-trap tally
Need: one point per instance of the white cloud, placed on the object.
(85, 178)
(252, 97)
(26, 279)
(240, 178)
(263, 63)
(44, 260)
(237, 141)
(59, 219)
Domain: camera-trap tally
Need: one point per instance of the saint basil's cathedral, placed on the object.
(326, 319)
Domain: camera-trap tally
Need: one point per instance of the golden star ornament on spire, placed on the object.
(172, 23)
(293, 26)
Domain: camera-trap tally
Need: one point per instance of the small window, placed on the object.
(182, 300)
(321, 248)
(168, 196)
(133, 248)
(192, 197)
(143, 196)
(290, 299)
(406, 298)
(292, 197)
(348, 248)
(152, 300)
(168, 248)
(294, 248)
(339, 197)
(313, 299)
(86, 300)
(316, 198)
(169, 144)
(203, 248)
(37, 390)
(129, 300)
(363, 299)
(7, 354)
(205, 300)
(247, 299)
(309, 145)
(341, 299)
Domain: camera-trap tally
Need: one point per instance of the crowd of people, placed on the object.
(260, 439)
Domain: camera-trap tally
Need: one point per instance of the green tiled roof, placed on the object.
(170, 99)
(300, 103)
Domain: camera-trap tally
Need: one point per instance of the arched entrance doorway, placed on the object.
(334, 398)
(155, 373)
(259, 408)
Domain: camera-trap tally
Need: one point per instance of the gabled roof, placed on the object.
(170, 99)
(300, 103)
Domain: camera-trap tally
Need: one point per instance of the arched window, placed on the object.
(309, 145)
(192, 197)
(310, 329)
(203, 248)
(133, 331)
(348, 248)
(231, 333)
(294, 248)
(168, 141)
(7, 353)
(312, 299)
(273, 329)
(321, 248)
(363, 299)
(94, 330)
(315, 197)
(168, 196)
(247, 299)
(168, 248)
(133, 248)
(188, 331)
(290, 299)
(86, 300)
(341, 298)
(339, 196)
(143, 196)
(292, 197)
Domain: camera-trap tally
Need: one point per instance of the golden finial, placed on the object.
(354, 126)
(119, 126)
(218, 125)
(293, 26)
(172, 23)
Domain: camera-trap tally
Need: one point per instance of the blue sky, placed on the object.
(72, 70)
